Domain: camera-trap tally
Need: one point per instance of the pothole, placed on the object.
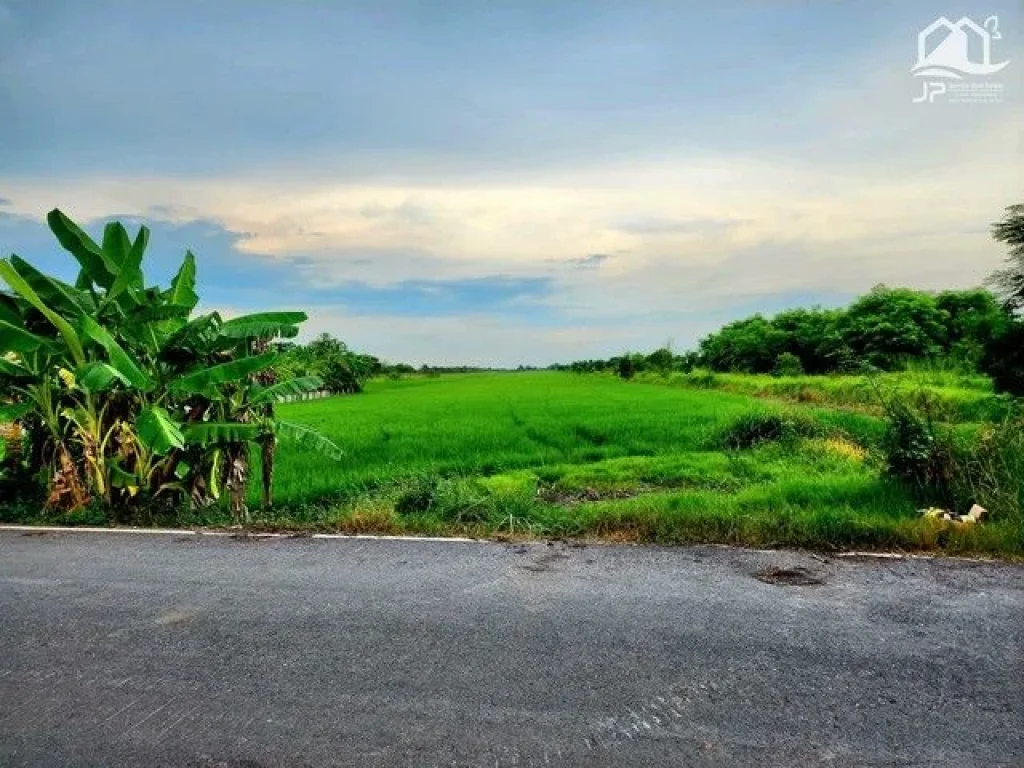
(789, 577)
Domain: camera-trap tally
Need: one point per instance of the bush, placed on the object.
(788, 364)
(340, 379)
(1003, 359)
(450, 499)
(917, 453)
(991, 471)
(753, 429)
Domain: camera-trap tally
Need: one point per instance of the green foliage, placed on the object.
(788, 364)
(754, 428)
(125, 397)
(1009, 281)
(887, 329)
(916, 451)
(661, 360)
(888, 326)
(340, 377)
(748, 346)
(627, 368)
(1003, 358)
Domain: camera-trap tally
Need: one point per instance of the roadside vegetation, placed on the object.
(816, 428)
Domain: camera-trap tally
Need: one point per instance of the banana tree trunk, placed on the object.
(267, 448)
(237, 481)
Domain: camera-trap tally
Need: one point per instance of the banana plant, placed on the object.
(134, 395)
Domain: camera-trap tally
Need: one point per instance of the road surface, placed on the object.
(170, 650)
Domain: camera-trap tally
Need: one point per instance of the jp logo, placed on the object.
(944, 50)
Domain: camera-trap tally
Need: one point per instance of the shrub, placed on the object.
(917, 452)
(991, 471)
(788, 364)
(339, 378)
(753, 429)
(1003, 359)
(453, 500)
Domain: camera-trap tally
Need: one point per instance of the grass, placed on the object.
(552, 454)
(563, 455)
(955, 397)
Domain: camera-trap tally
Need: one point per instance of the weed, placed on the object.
(752, 429)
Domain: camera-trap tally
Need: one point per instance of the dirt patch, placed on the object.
(789, 577)
(545, 562)
(568, 497)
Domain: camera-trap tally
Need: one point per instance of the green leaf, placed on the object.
(119, 478)
(11, 413)
(206, 379)
(23, 289)
(116, 244)
(296, 386)
(62, 297)
(158, 431)
(117, 356)
(16, 339)
(13, 370)
(308, 438)
(183, 286)
(83, 248)
(158, 312)
(98, 377)
(196, 334)
(218, 432)
(129, 278)
(9, 310)
(263, 324)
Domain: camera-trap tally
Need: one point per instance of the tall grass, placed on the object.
(957, 396)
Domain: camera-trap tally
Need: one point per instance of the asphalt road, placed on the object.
(149, 650)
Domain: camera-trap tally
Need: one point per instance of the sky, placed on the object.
(513, 181)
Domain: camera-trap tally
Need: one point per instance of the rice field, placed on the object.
(558, 455)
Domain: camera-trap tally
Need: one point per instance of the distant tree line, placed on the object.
(887, 328)
(344, 371)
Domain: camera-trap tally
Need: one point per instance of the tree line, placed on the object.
(887, 328)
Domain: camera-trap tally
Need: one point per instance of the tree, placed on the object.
(787, 364)
(1003, 358)
(974, 318)
(812, 335)
(890, 325)
(744, 346)
(661, 360)
(1009, 281)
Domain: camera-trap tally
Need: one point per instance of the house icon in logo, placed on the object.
(950, 56)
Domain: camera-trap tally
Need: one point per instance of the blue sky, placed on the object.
(509, 182)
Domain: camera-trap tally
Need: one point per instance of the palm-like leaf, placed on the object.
(263, 324)
(207, 379)
(158, 431)
(62, 297)
(220, 432)
(309, 438)
(13, 338)
(119, 359)
(83, 248)
(99, 377)
(183, 286)
(23, 289)
(287, 388)
(129, 279)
